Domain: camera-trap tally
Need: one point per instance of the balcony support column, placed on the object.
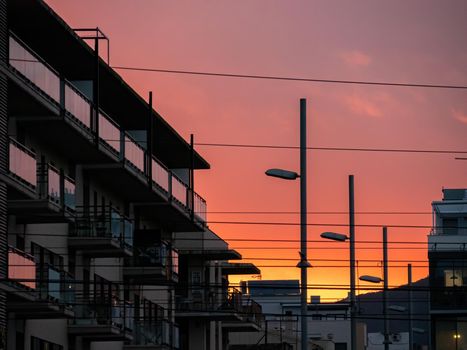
(149, 140)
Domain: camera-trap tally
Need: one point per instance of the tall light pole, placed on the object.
(373, 279)
(409, 282)
(341, 237)
(303, 264)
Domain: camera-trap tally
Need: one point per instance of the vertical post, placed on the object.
(303, 225)
(192, 177)
(149, 141)
(353, 319)
(385, 289)
(96, 89)
(409, 280)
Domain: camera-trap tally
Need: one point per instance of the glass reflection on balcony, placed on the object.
(109, 132)
(134, 153)
(70, 194)
(160, 175)
(53, 184)
(22, 163)
(34, 69)
(77, 105)
(21, 268)
(179, 190)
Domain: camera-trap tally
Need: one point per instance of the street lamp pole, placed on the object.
(409, 277)
(353, 319)
(385, 288)
(303, 224)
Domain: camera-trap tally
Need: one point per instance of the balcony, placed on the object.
(37, 292)
(103, 321)
(94, 139)
(22, 171)
(154, 335)
(101, 232)
(210, 304)
(251, 320)
(157, 264)
(53, 199)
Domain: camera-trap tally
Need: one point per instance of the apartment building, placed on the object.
(448, 271)
(94, 186)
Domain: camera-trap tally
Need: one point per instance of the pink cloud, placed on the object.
(459, 116)
(362, 106)
(356, 58)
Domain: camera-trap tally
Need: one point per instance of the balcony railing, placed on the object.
(23, 164)
(21, 268)
(160, 175)
(56, 285)
(79, 109)
(200, 207)
(34, 69)
(448, 231)
(179, 190)
(109, 132)
(114, 313)
(70, 193)
(157, 255)
(77, 105)
(107, 222)
(134, 153)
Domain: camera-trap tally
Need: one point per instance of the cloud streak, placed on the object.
(356, 58)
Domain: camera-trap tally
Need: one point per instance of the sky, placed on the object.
(419, 41)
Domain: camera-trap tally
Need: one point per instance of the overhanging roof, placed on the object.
(239, 269)
(48, 35)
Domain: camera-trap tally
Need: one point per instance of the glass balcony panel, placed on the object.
(22, 163)
(200, 207)
(160, 175)
(176, 341)
(116, 222)
(34, 70)
(109, 132)
(69, 294)
(179, 190)
(134, 153)
(53, 283)
(128, 232)
(53, 182)
(156, 255)
(21, 268)
(116, 312)
(147, 333)
(166, 332)
(77, 105)
(129, 315)
(70, 194)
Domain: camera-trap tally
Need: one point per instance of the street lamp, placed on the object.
(342, 238)
(303, 264)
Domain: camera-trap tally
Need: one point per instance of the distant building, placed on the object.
(447, 253)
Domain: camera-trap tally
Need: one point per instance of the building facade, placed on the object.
(94, 186)
(448, 271)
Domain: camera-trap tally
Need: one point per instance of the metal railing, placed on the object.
(114, 312)
(448, 231)
(23, 164)
(103, 222)
(200, 207)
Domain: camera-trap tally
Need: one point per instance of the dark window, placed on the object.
(41, 344)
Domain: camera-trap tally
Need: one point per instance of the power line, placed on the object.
(300, 79)
(353, 149)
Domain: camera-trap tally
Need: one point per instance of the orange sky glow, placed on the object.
(420, 41)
